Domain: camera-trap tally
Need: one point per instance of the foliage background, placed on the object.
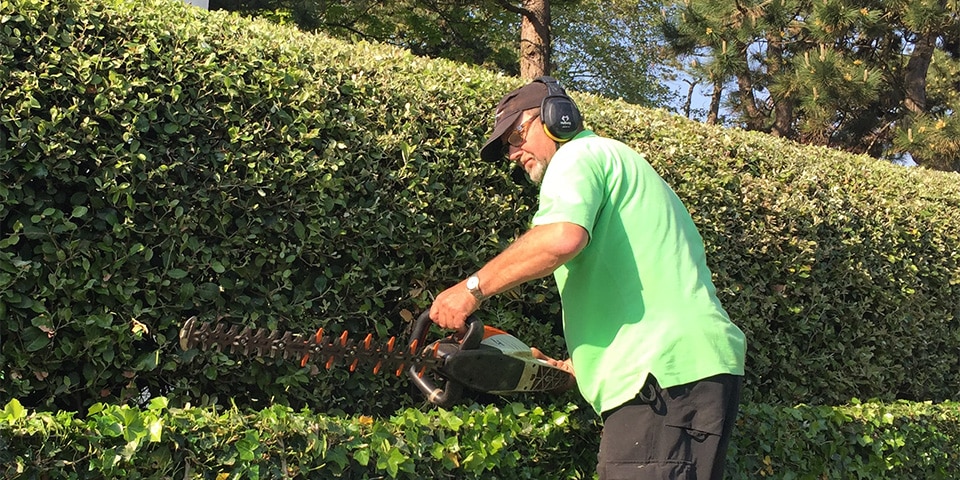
(158, 162)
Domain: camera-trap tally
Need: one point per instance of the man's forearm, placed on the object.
(537, 253)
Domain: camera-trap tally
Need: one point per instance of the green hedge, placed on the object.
(158, 161)
(870, 440)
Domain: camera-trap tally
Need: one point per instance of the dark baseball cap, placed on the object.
(510, 108)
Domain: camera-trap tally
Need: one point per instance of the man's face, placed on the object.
(529, 146)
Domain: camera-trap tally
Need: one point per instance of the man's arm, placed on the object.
(537, 253)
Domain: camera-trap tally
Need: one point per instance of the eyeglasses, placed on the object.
(519, 135)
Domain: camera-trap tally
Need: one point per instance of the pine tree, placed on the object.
(849, 74)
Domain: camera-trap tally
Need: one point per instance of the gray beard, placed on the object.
(536, 174)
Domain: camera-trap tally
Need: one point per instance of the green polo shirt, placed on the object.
(639, 298)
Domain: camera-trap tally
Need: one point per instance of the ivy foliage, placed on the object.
(158, 161)
(513, 441)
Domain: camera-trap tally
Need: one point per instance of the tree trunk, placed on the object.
(535, 39)
(782, 107)
(715, 103)
(915, 77)
(752, 116)
(687, 103)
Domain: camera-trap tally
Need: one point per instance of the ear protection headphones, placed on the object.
(560, 116)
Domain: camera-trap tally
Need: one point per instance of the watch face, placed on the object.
(473, 282)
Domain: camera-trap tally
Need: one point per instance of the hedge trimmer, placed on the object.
(484, 359)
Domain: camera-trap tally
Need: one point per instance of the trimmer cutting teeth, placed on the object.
(484, 359)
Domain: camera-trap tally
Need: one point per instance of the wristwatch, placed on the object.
(473, 286)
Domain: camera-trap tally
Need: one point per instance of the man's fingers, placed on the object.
(448, 322)
(566, 365)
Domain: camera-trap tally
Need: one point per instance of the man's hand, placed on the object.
(565, 365)
(452, 307)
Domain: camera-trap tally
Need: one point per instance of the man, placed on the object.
(654, 352)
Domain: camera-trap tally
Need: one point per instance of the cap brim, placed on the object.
(492, 151)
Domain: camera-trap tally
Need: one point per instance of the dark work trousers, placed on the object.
(680, 432)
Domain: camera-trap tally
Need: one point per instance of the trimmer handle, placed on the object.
(452, 391)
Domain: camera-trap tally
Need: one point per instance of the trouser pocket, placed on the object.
(661, 470)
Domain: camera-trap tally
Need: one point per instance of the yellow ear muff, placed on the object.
(558, 112)
(555, 139)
